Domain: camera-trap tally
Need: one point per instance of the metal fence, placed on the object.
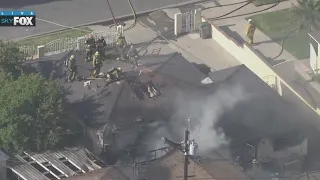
(188, 22)
(66, 44)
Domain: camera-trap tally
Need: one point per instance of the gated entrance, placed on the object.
(188, 22)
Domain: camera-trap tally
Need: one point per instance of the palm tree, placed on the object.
(309, 13)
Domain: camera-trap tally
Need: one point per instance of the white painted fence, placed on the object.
(66, 44)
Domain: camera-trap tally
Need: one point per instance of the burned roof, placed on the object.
(54, 164)
(264, 114)
(171, 167)
(120, 102)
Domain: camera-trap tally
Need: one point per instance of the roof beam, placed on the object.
(20, 175)
(44, 167)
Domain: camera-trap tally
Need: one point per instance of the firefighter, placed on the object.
(88, 53)
(133, 55)
(108, 79)
(97, 64)
(250, 31)
(121, 44)
(117, 73)
(101, 44)
(91, 45)
(72, 68)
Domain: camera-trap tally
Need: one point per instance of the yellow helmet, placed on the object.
(72, 57)
(97, 53)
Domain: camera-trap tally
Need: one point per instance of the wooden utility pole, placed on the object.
(186, 154)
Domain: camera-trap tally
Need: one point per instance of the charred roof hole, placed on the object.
(149, 89)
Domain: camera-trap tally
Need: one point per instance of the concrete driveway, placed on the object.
(74, 12)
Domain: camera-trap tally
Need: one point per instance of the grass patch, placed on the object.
(277, 24)
(44, 39)
(264, 2)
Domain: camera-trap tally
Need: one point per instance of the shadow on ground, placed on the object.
(232, 34)
(17, 4)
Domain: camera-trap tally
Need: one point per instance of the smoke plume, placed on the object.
(204, 110)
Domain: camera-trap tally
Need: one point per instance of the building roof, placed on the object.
(171, 167)
(54, 164)
(118, 103)
(264, 114)
(107, 173)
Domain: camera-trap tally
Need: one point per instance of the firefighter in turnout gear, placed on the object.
(117, 73)
(121, 44)
(101, 44)
(72, 68)
(91, 45)
(250, 31)
(97, 64)
(133, 55)
(108, 79)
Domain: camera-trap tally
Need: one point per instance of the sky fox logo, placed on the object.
(17, 20)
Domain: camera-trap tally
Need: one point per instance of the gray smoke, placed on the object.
(207, 111)
(204, 111)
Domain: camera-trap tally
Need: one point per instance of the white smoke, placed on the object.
(204, 111)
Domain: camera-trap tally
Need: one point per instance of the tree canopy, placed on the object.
(10, 57)
(309, 13)
(31, 106)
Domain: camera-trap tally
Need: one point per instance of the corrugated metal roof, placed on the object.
(50, 157)
(26, 171)
(79, 157)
